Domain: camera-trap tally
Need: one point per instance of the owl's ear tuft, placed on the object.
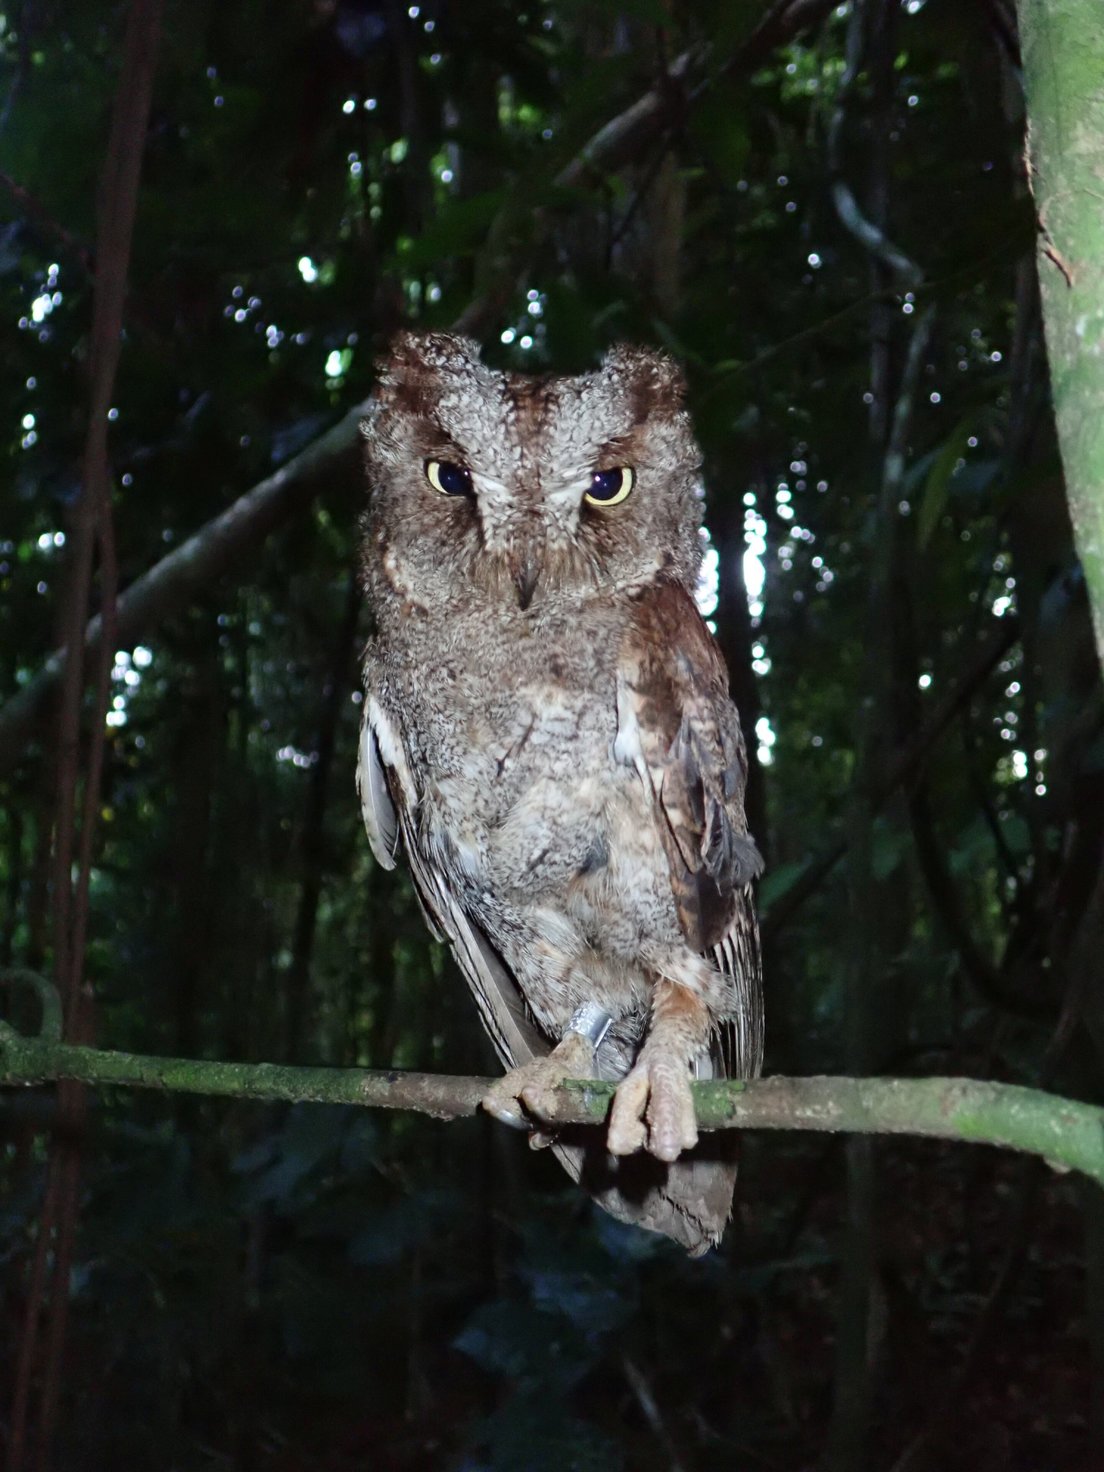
(371, 414)
(656, 381)
(411, 371)
(411, 353)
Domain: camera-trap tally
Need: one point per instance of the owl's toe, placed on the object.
(672, 1123)
(527, 1092)
(654, 1108)
(627, 1133)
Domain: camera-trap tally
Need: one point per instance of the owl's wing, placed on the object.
(678, 726)
(688, 1201)
(389, 802)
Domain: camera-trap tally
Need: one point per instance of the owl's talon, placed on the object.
(505, 1110)
(653, 1108)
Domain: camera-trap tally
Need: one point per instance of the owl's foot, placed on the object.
(526, 1092)
(653, 1107)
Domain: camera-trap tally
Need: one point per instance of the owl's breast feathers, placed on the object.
(679, 728)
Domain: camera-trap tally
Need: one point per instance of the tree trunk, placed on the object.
(1063, 56)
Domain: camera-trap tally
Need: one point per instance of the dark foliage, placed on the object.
(260, 1288)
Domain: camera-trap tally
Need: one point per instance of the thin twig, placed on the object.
(35, 210)
(870, 236)
(645, 1399)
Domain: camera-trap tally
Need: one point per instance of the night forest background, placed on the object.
(823, 212)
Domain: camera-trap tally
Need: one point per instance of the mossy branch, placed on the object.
(1064, 1132)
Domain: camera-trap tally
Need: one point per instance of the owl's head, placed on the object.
(523, 488)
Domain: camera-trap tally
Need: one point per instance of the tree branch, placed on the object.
(1065, 1132)
(169, 584)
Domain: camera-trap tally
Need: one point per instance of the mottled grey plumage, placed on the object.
(549, 737)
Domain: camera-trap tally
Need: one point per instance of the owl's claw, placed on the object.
(653, 1107)
(525, 1093)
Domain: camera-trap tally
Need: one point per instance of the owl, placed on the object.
(549, 740)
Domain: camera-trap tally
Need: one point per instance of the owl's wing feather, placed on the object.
(680, 728)
(741, 1035)
(389, 802)
(373, 788)
(500, 1003)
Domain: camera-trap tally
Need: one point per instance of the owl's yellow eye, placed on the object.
(449, 479)
(610, 487)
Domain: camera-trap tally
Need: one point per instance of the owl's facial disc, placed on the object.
(511, 531)
(541, 542)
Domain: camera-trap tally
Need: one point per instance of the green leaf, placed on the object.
(942, 473)
(937, 485)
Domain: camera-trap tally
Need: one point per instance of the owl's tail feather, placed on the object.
(689, 1201)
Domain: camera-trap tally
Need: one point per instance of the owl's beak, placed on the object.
(526, 570)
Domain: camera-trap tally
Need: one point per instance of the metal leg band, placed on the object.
(591, 1022)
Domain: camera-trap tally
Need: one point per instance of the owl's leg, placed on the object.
(526, 1091)
(653, 1107)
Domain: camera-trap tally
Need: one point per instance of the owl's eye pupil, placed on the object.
(604, 484)
(449, 479)
(609, 487)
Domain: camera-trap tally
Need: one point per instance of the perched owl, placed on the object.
(548, 736)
